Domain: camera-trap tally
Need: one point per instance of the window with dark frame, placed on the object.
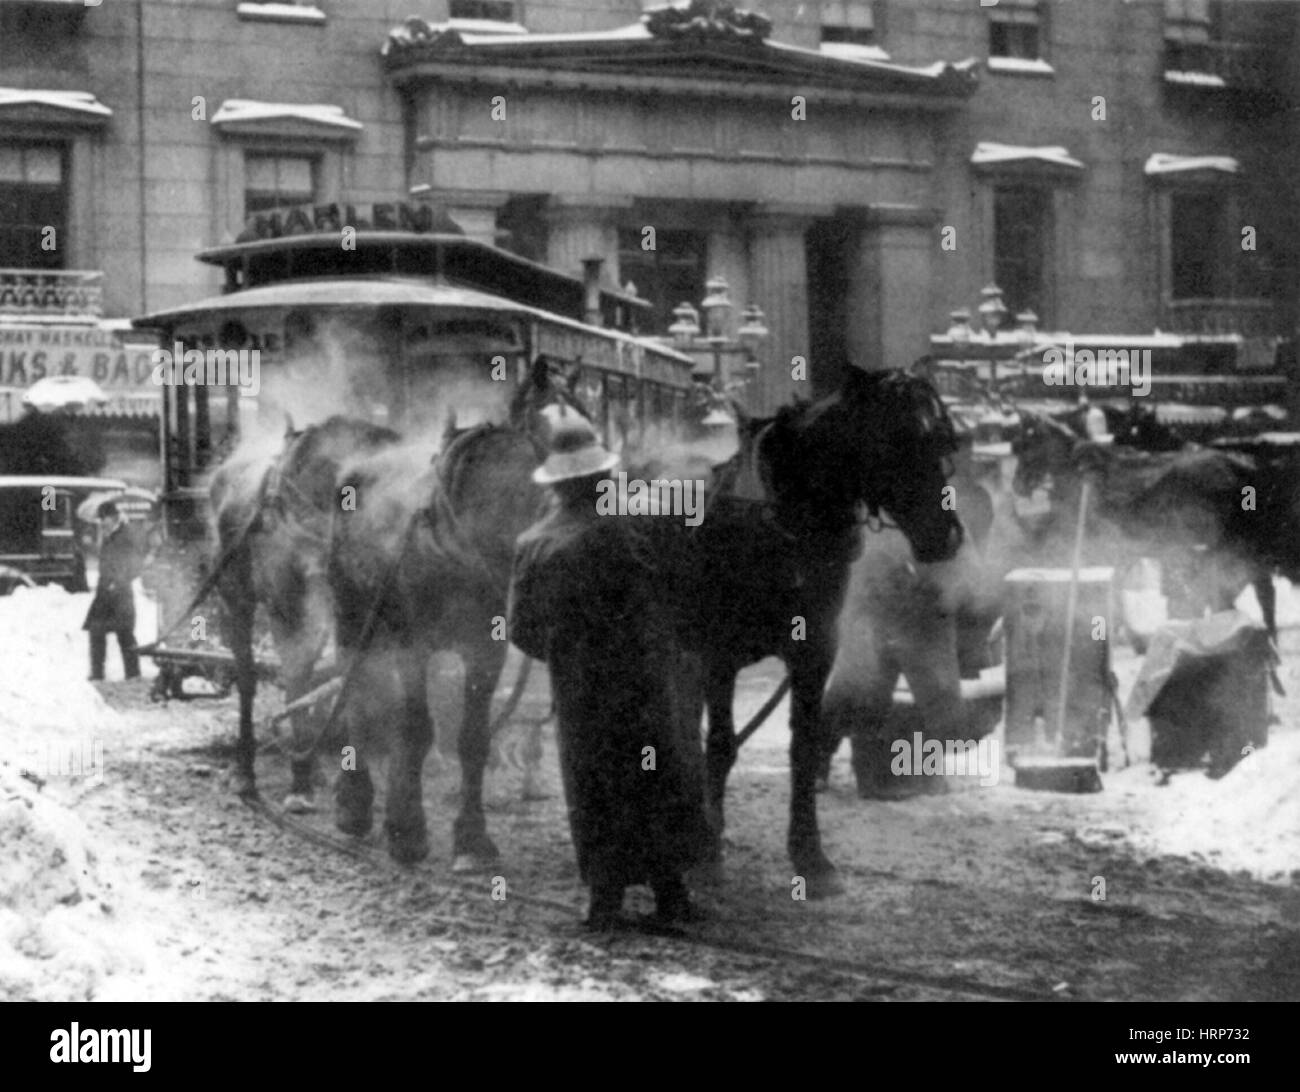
(1197, 222)
(1014, 30)
(851, 22)
(488, 11)
(277, 182)
(1022, 223)
(673, 273)
(33, 197)
(1191, 28)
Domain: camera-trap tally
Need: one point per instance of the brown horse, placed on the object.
(422, 565)
(273, 518)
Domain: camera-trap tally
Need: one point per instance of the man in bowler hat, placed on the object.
(113, 608)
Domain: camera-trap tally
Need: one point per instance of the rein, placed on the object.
(363, 643)
(300, 509)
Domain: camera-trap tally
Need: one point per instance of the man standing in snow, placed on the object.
(113, 608)
(626, 694)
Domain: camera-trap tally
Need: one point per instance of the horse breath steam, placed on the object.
(657, 497)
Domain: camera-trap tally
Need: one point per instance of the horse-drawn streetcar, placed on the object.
(388, 314)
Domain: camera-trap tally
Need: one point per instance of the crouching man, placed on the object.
(626, 695)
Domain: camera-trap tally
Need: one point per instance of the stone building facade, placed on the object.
(857, 168)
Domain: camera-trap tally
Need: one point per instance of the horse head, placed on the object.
(884, 440)
(310, 461)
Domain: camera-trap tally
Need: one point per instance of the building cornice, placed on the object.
(718, 62)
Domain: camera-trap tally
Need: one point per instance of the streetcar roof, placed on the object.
(443, 247)
(59, 481)
(373, 292)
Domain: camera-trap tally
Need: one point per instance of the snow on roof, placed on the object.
(82, 102)
(1196, 79)
(934, 71)
(281, 13)
(513, 33)
(862, 56)
(852, 51)
(1163, 163)
(987, 151)
(1032, 65)
(244, 110)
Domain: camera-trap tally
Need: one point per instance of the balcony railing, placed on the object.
(52, 293)
(1249, 318)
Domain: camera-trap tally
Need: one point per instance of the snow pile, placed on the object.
(1249, 820)
(54, 721)
(61, 938)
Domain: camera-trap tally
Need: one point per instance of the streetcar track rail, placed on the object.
(877, 979)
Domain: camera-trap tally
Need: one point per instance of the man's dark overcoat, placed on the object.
(113, 608)
(581, 601)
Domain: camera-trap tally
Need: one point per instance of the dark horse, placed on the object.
(273, 518)
(1167, 505)
(423, 565)
(767, 577)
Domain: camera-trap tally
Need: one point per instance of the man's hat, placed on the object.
(576, 452)
(108, 508)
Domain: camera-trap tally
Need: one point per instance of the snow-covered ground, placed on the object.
(94, 883)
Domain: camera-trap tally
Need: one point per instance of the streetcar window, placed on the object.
(60, 516)
(616, 410)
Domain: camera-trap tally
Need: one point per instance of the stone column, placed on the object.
(890, 281)
(778, 283)
(581, 227)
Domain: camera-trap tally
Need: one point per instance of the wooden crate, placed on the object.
(1035, 623)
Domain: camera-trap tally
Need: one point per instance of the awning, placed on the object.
(992, 154)
(1163, 163)
(252, 117)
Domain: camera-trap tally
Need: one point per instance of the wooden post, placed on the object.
(1072, 604)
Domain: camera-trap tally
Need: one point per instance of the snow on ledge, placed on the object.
(988, 152)
(481, 26)
(850, 51)
(1195, 79)
(81, 102)
(1022, 66)
(280, 13)
(245, 110)
(1162, 163)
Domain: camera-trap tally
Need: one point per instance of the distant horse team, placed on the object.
(421, 561)
(1226, 515)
